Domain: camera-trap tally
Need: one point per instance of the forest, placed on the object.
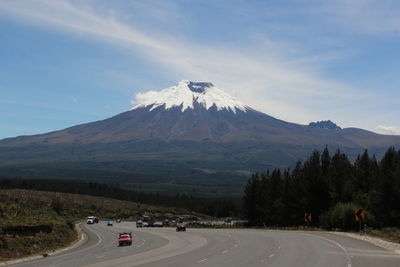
(330, 188)
(213, 206)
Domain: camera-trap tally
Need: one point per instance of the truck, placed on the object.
(92, 220)
(125, 239)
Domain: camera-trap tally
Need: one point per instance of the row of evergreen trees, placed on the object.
(330, 188)
(217, 207)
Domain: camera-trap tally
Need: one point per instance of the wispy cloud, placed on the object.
(262, 76)
(367, 16)
(74, 99)
(388, 129)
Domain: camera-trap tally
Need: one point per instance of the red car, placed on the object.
(125, 239)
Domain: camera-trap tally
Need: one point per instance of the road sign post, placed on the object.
(307, 218)
(360, 217)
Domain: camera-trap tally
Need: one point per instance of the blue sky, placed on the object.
(64, 62)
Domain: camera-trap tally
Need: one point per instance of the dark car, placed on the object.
(180, 228)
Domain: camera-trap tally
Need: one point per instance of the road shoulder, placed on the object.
(373, 240)
(82, 239)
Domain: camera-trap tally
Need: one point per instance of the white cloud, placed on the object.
(367, 16)
(388, 129)
(74, 99)
(263, 77)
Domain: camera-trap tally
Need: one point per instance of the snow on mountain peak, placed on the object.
(185, 94)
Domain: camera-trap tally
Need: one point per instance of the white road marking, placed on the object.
(270, 256)
(202, 260)
(375, 255)
(225, 251)
(337, 244)
(95, 245)
(79, 251)
(99, 257)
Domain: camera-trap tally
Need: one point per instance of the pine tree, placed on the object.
(388, 200)
(340, 178)
(250, 199)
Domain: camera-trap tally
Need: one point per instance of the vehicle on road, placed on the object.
(139, 224)
(92, 220)
(118, 221)
(109, 223)
(158, 224)
(148, 221)
(125, 239)
(180, 227)
(228, 220)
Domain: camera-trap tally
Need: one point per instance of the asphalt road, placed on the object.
(154, 247)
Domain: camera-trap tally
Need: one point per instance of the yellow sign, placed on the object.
(360, 214)
(307, 217)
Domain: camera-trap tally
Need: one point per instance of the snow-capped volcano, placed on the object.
(175, 133)
(189, 123)
(186, 93)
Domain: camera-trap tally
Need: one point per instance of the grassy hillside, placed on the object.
(34, 222)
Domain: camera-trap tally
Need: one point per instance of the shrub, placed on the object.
(57, 206)
(341, 217)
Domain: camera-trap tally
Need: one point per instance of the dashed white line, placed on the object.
(270, 256)
(99, 257)
(202, 260)
(225, 251)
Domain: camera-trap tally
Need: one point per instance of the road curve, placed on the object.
(155, 247)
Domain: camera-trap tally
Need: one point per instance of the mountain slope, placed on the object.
(195, 122)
